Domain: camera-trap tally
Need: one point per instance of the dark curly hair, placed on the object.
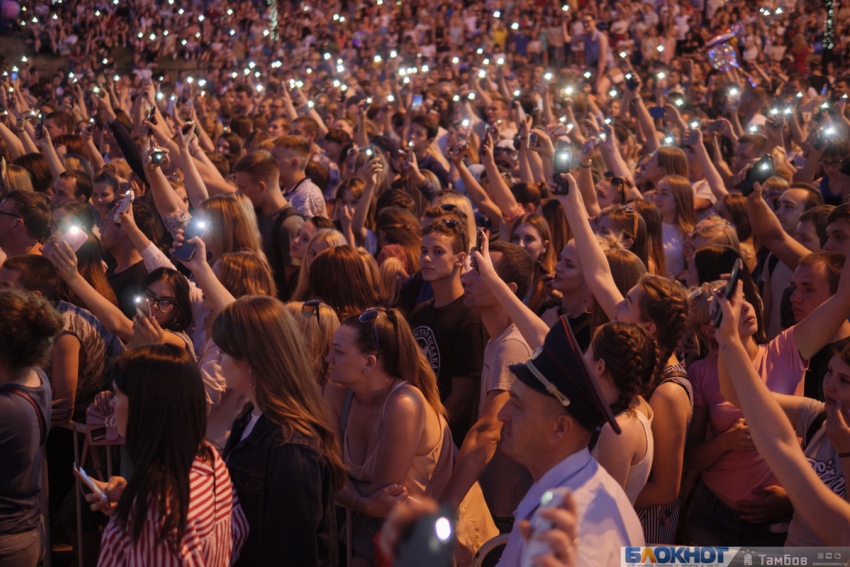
(630, 359)
(29, 325)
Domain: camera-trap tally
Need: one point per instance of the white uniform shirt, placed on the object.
(607, 520)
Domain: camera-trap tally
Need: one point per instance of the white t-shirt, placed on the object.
(250, 427)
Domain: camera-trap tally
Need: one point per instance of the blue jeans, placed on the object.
(711, 522)
(20, 550)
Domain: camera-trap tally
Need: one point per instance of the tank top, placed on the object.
(428, 474)
(639, 472)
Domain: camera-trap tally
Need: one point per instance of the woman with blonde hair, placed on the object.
(318, 322)
(404, 449)
(16, 178)
(232, 225)
(283, 436)
(464, 205)
(321, 240)
(531, 233)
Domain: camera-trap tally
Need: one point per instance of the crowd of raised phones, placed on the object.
(294, 279)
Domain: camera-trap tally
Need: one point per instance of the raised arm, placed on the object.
(216, 294)
(712, 176)
(826, 513)
(195, 187)
(370, 170)
(769, 232)
(532, 328)
(594, 264)
(499, 190)
(817, 330)
(65, 260)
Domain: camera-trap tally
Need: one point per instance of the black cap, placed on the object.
(387, 144)
(558, 369)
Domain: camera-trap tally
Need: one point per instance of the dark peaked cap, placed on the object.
(558, 369)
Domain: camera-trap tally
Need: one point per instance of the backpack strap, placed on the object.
(42, 424)
(816, 424)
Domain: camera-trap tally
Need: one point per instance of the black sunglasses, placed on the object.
(370, 316)
(449, 208)
(310, 309)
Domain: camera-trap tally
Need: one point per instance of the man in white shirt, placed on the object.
(554, 408)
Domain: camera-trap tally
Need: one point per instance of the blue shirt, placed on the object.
(607, 520)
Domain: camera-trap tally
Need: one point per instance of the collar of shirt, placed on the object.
(574, 470)
(295, 188)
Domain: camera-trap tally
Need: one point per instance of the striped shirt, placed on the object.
(216, 528)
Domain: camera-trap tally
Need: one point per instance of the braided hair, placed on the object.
(664, 303)
(630, 359)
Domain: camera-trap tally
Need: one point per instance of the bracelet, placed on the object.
(585, 166)
(843, 455)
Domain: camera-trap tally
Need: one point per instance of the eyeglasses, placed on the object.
(449, 208)
(311, 309)
(165, 306)
(827, 163)
(370, 316)
(12, 215)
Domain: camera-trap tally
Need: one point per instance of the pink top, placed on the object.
(736, 474)
(216, 528)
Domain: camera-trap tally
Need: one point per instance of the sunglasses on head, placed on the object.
(370, 316)
(311, 309)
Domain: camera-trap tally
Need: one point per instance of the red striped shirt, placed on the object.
(216, 528)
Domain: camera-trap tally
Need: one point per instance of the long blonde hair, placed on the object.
(318, 324)
(461, 202)
(263, 333)
(329, 236)
(233, 225)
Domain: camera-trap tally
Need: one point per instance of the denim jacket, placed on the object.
(287, 494)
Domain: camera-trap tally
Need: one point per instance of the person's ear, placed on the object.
(81, 198)
(371, 363)
(562, 426)
(628, 243)
(650, 328)
(262, 185)
(545, 247)
(513, 287)
(708, 331)
(461, 260)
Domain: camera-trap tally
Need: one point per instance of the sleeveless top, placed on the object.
(639, 472)
(428, 474)
(660, 522)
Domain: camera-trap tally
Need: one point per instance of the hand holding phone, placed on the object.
(39, 128)
(728, 292)
(75, 237)
(196, 227)
(143, 306)
(87, 480)
(760, 171)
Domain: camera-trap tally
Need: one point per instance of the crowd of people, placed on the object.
(368, 261)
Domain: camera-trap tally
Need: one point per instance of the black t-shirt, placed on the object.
(818, 367)
(127, 285)
(453, 340)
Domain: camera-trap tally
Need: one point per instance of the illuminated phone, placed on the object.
(143, 306)
(122, 206)
(197, 227)
(417, 103)
(75, 237)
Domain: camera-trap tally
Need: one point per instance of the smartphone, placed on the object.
(157, 156)
(486, 132)
(563, 164)
(761, 171)
(169, 108)
(428, 542)
(692, 136)
(39, 129)
(368, 150)
(416, 105)
(75, 237)
(125, 203)
(151, 119)
(533, 140)
(143, 306)
(14, 76)
(728, 291)
(632, 82)
(459, 147)
(86, 479)
(553, 498)
(657, 111)
(715, 127)
(197, 227)
(188, 128)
